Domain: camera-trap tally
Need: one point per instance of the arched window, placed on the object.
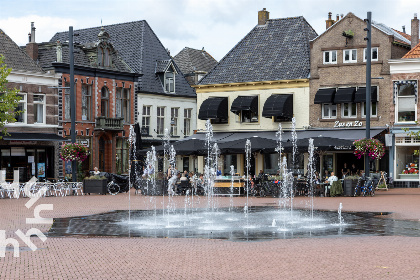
(104, 102)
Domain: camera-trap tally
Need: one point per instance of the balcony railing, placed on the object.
(105, 123)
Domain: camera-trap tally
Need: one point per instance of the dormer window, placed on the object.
(104, 58)
(166, 72)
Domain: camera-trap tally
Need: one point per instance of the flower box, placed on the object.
(409, 176)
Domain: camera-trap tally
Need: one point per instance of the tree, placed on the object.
(9, 99)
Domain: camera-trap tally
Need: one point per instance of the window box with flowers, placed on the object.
(369, 147)
(74, 151)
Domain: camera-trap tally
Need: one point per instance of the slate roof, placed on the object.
(15, 57)
(162, 65)
(278, 50)
(413, 53)
(191, 60)
(47, 54)
(137, 44)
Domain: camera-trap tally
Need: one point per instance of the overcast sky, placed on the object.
(216, 25)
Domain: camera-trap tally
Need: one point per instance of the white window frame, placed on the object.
(174, 117)
(187, 121)
(67, 113)
(160, 120)
(330, 106)
(330, 56)
(371, 108)
(372, 59)
(350, 115)
(168, 80)
(146, 117)
(24, 115)
(88, 99)
(351, 58)
(397, 97)
(40, 103)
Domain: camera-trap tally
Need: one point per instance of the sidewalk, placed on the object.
(393, 257)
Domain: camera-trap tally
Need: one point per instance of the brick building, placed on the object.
(105, 94)
(338, 82)
(32, 146)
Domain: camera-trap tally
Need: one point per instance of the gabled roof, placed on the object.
(163, 65)
(15, 57)
(413, 53)
(137, 44)
(277, 50)
(191, 60)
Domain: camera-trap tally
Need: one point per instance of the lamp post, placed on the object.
(368, 83)
(72, 102)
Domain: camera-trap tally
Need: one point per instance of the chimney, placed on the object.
(337, 17)
(32, 47)
(414, 31)
(329, 21)
(263, 16)
(403, 28)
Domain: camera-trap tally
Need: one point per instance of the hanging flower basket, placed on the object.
(70, 152)
(371, 147)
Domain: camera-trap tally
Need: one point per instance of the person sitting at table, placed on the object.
(330, 181)
(96, 171)
(326, 174)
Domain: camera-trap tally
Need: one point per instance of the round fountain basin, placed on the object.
(260, 223)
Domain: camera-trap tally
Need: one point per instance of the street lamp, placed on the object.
(72, 102)
(368, 83)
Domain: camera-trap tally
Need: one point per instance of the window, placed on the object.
(170, 82)
(121, 160)
(67, 101)
(174, 121)
(187, 121)
(329, 111)
(350, 56)
(249, 116)
(373, 109)
(160, 126)
(330, 57)
(348, 110)
(123, 104)
(374, 56)
(104, 101)
(39, 108)
(21, 117)
(406, 101)
(145, 121)
(86, 102)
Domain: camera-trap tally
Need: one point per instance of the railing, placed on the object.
(109, 123)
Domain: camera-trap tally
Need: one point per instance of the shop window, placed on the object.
(122, 160)
(373, 109)
(329, 111)
(187, 121)
(39, 108)
(406, 102)
(374, 54)
(160, 121)
(21, 117)
(123, 104)
(330, 57)
(86, 102)
(145, 120)
(271, 163)
(407, 162)
(349, 110)
(230, 160)
(350, 56)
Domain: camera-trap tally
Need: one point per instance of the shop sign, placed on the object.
(84, 142)
(342, 147)
(348, 124)
(17, 142)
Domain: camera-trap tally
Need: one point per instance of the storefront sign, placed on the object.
(16, 142)
(84, 142)
(348, 124)
(342, 147)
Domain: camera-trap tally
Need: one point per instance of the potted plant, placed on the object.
(348, 34)
(74, 151)
(370, 147)
(95, 184)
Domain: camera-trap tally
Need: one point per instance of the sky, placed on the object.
(216, 25)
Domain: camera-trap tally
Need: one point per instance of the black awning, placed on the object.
(360, 95)
(214, 108)
(245, 103)
(279, 105)
(325, 95)
(19, 136)
(344, 95)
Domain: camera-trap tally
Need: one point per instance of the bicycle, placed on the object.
(113, 188)
(369, 189)
(359, 187)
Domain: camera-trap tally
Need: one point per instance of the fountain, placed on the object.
(233, 223)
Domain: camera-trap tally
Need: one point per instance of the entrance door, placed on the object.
(102, 156)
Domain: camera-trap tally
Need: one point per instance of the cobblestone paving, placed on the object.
(391, 257)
